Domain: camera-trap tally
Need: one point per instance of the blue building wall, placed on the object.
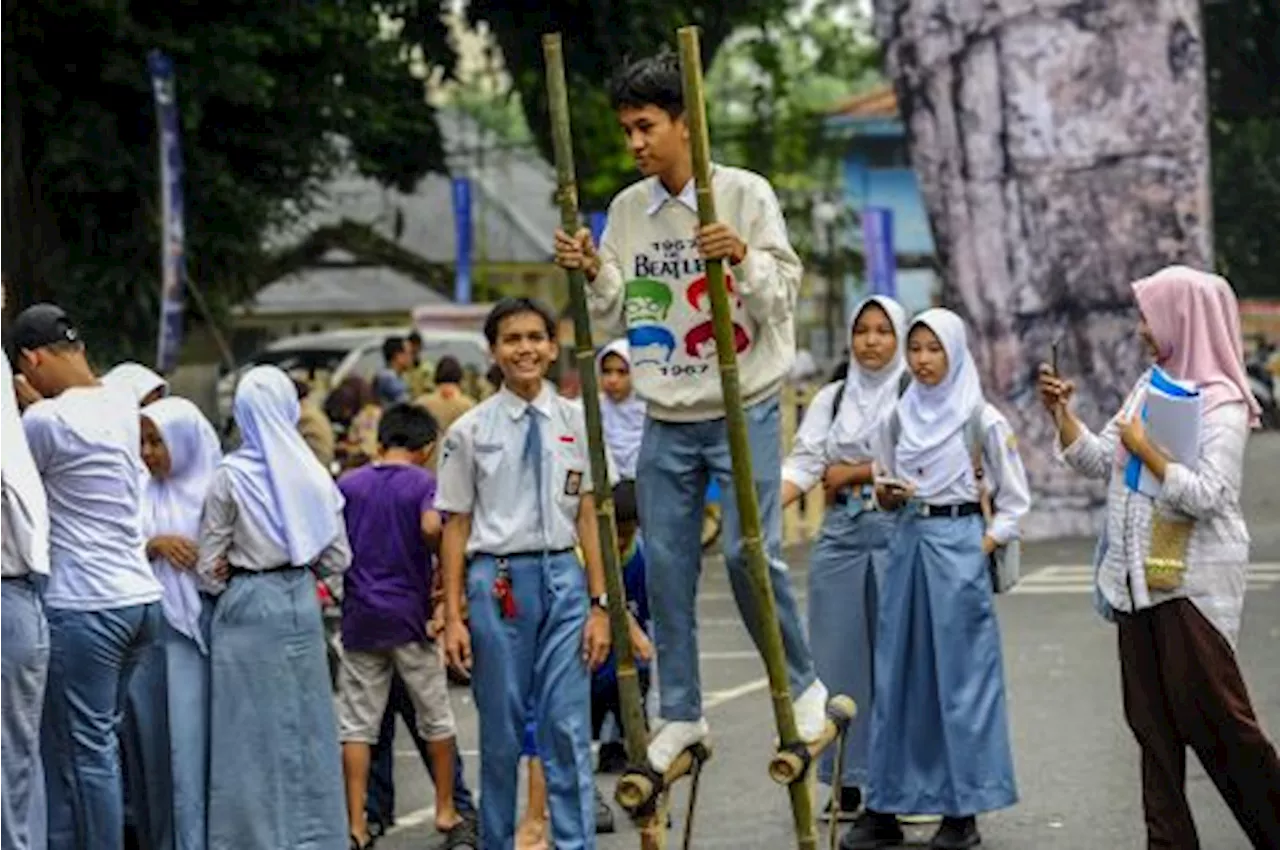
(877, 173)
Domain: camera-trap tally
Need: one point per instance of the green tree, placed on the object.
(599, 37)
(265, 91)
(1243, 56)
(769, 97)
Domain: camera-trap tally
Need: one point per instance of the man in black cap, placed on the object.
(102, 599)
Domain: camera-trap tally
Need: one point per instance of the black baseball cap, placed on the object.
(37, 326)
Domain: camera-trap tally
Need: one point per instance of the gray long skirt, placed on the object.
(845, 568)
(275, 774)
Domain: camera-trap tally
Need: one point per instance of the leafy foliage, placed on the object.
(264, 90)
(769, 95)
(1243, 54)
(599, 37)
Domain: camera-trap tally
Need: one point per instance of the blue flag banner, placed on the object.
(462, 239)
(596, 222)
(173, 263)
(877, 240)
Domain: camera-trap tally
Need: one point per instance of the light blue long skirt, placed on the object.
(275, 777)
(845, 568)
(939, 731)
(166, 741)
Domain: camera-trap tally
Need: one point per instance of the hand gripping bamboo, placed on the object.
(633, 720)
(758, 566)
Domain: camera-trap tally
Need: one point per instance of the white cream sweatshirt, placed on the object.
(652, 284)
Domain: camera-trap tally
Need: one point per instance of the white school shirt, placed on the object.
(86, 444)
(482, 473)
(816, 445)
(1002, 468)
(12, 565)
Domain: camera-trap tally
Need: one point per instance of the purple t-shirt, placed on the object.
(388, 585)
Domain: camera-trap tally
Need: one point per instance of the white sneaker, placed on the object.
(673, 737)
(811, 712)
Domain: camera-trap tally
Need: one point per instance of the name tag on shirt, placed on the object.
(573, 483)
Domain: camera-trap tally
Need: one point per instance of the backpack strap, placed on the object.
(839, 397)
(895, 426)
(975, 437)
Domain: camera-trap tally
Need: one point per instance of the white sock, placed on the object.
(811, 711)
(672, 737)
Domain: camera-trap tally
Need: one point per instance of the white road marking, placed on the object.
(418, 817)
(1078, 579)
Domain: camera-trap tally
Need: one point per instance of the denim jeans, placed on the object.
(533, 659)
(24, 665)
(380, 805)
(92, 654)
(676, 461)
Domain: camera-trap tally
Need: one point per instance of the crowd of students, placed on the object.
(164, 653)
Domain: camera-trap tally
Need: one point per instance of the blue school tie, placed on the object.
(533, 459)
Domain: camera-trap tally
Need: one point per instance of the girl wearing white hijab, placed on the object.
(167, 721)
(939, 727)
(142, 383)
(835, 446)
(621, 410)
(273, 517)
(24, 650)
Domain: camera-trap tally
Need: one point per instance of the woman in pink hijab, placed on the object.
(1178, 628)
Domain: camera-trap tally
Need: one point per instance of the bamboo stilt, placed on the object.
(634, 727)
(753, 547)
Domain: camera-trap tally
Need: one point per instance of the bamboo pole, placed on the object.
(633, 719)
(758, 566)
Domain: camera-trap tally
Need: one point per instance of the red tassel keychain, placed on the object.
(503, 592)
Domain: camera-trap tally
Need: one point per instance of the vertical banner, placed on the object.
(462, 239)
(173, 264)
(596, 222)
(877, 240)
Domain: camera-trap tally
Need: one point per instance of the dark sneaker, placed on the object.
(956, 834)
(850, 803)
(612, 758)
(604, 815)
(871, 831)
(464, 836)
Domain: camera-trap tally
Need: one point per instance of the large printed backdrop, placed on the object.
(1062, 151)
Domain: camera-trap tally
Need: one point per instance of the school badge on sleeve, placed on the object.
(573, 483)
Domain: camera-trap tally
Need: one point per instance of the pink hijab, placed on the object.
(1195, 320)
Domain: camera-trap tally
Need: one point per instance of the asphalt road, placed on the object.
(1076, 760)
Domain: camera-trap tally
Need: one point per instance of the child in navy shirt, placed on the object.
(605, 700)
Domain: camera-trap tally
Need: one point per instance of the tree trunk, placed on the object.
(32, 261)
(1062, 152)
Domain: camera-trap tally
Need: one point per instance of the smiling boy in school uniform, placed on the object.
(516, 484)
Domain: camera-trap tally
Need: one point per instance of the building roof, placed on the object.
(513, 215)
(880, 102)
(512, 205)
(340, 285)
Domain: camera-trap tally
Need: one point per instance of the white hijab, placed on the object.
(23, 489)
(622, 421)
(869, 396)
(172, 505)
(276, 478)
(931, 450)
(137, 379)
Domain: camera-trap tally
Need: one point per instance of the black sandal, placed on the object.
(464, 836)
(356, 845)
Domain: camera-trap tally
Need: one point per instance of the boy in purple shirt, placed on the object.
(391, 524)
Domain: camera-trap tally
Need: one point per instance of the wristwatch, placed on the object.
(601, 602)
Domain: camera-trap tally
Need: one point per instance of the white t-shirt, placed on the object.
(86, 445)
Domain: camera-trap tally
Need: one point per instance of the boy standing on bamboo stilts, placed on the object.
(649, 277)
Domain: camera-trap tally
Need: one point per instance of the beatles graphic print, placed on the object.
(655, 315)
